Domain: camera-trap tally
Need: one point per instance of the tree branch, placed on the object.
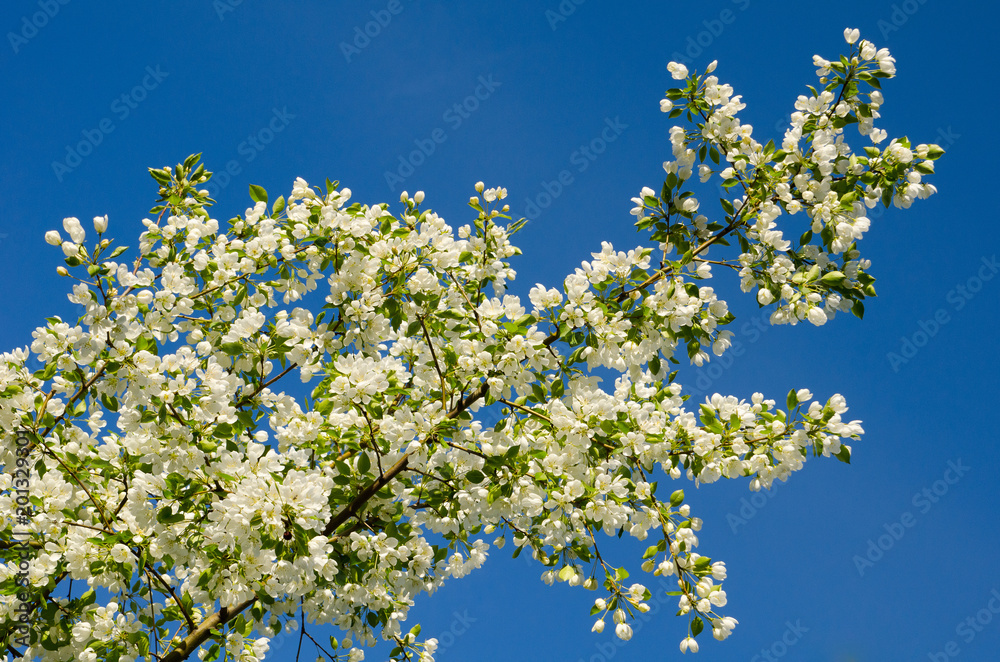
(191, 642)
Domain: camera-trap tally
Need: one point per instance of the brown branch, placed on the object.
(366, 493)
(527, 410)
(437, 367)
(191, 642)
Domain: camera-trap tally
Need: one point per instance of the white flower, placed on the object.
(677, 70)
(817, 316)
(598, 626)
(711, 66)
(70, 249)
(886, 62)
(52, 237)
(624, 631)
(666, 105)
(120, 553)
(689, 644)
(764, 296)
(81, 632)
(867, 50)
(75, 230)
(851, 36)
(101, 223)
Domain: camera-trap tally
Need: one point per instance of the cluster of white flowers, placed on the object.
(212, 488)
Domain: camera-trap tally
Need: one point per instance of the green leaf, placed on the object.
(257, 193)
(232, 348)
(791, 400)
(558, 388)
(279, 205)
(677, 498)
(161, 176)
(364, 463)
(844, 455)
(475, 476)
(858, 309)
(697, 625)
(833, 278)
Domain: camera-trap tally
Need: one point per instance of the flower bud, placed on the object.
(418, 197)
(52, 237)
(62, 271)
(598, 626)
(101, 223)
(75, 230)
(677, 71)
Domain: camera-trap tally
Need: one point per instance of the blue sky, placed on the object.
(520, 94)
